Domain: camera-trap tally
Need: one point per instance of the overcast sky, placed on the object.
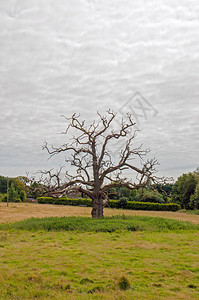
(59, 57)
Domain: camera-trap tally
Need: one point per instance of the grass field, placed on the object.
(114, 258)
(21, 211)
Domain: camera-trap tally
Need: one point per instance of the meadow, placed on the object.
(120, 257)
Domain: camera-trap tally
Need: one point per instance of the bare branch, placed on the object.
(87, 152)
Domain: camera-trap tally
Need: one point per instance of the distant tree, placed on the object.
(97, 169)
(13, 194)
(3, 184)
(33, 188)
(17, 184)
(22, 196)
(118, 192)
(149, 195)
(183, 189)
(194, 199)
(165, 189)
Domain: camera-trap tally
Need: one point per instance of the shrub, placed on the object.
(152, 206)
(22, 196)
(16, 199)
(3, 197)
(112, 203)
(65, 201)
(122, 202)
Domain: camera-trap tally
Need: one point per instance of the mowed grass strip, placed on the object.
(102, 265)
(107, 224)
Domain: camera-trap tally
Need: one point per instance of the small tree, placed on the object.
(22, 196)
(97, 169)
(13, 194)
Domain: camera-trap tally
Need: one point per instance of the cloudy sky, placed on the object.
(59, 57)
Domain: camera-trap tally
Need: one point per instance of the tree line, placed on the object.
(184, 191)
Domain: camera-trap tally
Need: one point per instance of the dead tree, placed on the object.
(97, 169)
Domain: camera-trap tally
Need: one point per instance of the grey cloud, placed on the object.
(60, 57)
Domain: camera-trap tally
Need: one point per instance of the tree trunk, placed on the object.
(97, 208)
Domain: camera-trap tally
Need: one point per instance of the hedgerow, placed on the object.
(112, 203)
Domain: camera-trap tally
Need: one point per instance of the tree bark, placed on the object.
(97, 208)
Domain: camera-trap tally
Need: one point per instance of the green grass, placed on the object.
(112, 258)
(193, 212)
(102, 265)
(107, 224)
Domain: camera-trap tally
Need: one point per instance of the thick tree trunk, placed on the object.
(97, 208)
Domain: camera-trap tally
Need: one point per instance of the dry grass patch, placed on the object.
(22, 211)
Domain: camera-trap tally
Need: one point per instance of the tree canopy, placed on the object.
(183, 189)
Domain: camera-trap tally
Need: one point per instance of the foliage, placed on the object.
(183, 189)
(22, 196)
(3, 197)
(164, 188)
(112, 203)
(18, 184)
(194, 199)
(3, 185)
(152, 206)
(141, 195)
(65, 201)
(122, 202)
(35, 189)
(106, 224)
(149, 195)
(14, 195)
(16, 189)
(119, 192)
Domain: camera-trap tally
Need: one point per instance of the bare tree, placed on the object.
(97, 170)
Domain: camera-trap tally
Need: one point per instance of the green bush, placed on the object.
(112, 203)
(152, 206)
(65, 201)
(14, 200)
(122, 202)
(3, 197)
